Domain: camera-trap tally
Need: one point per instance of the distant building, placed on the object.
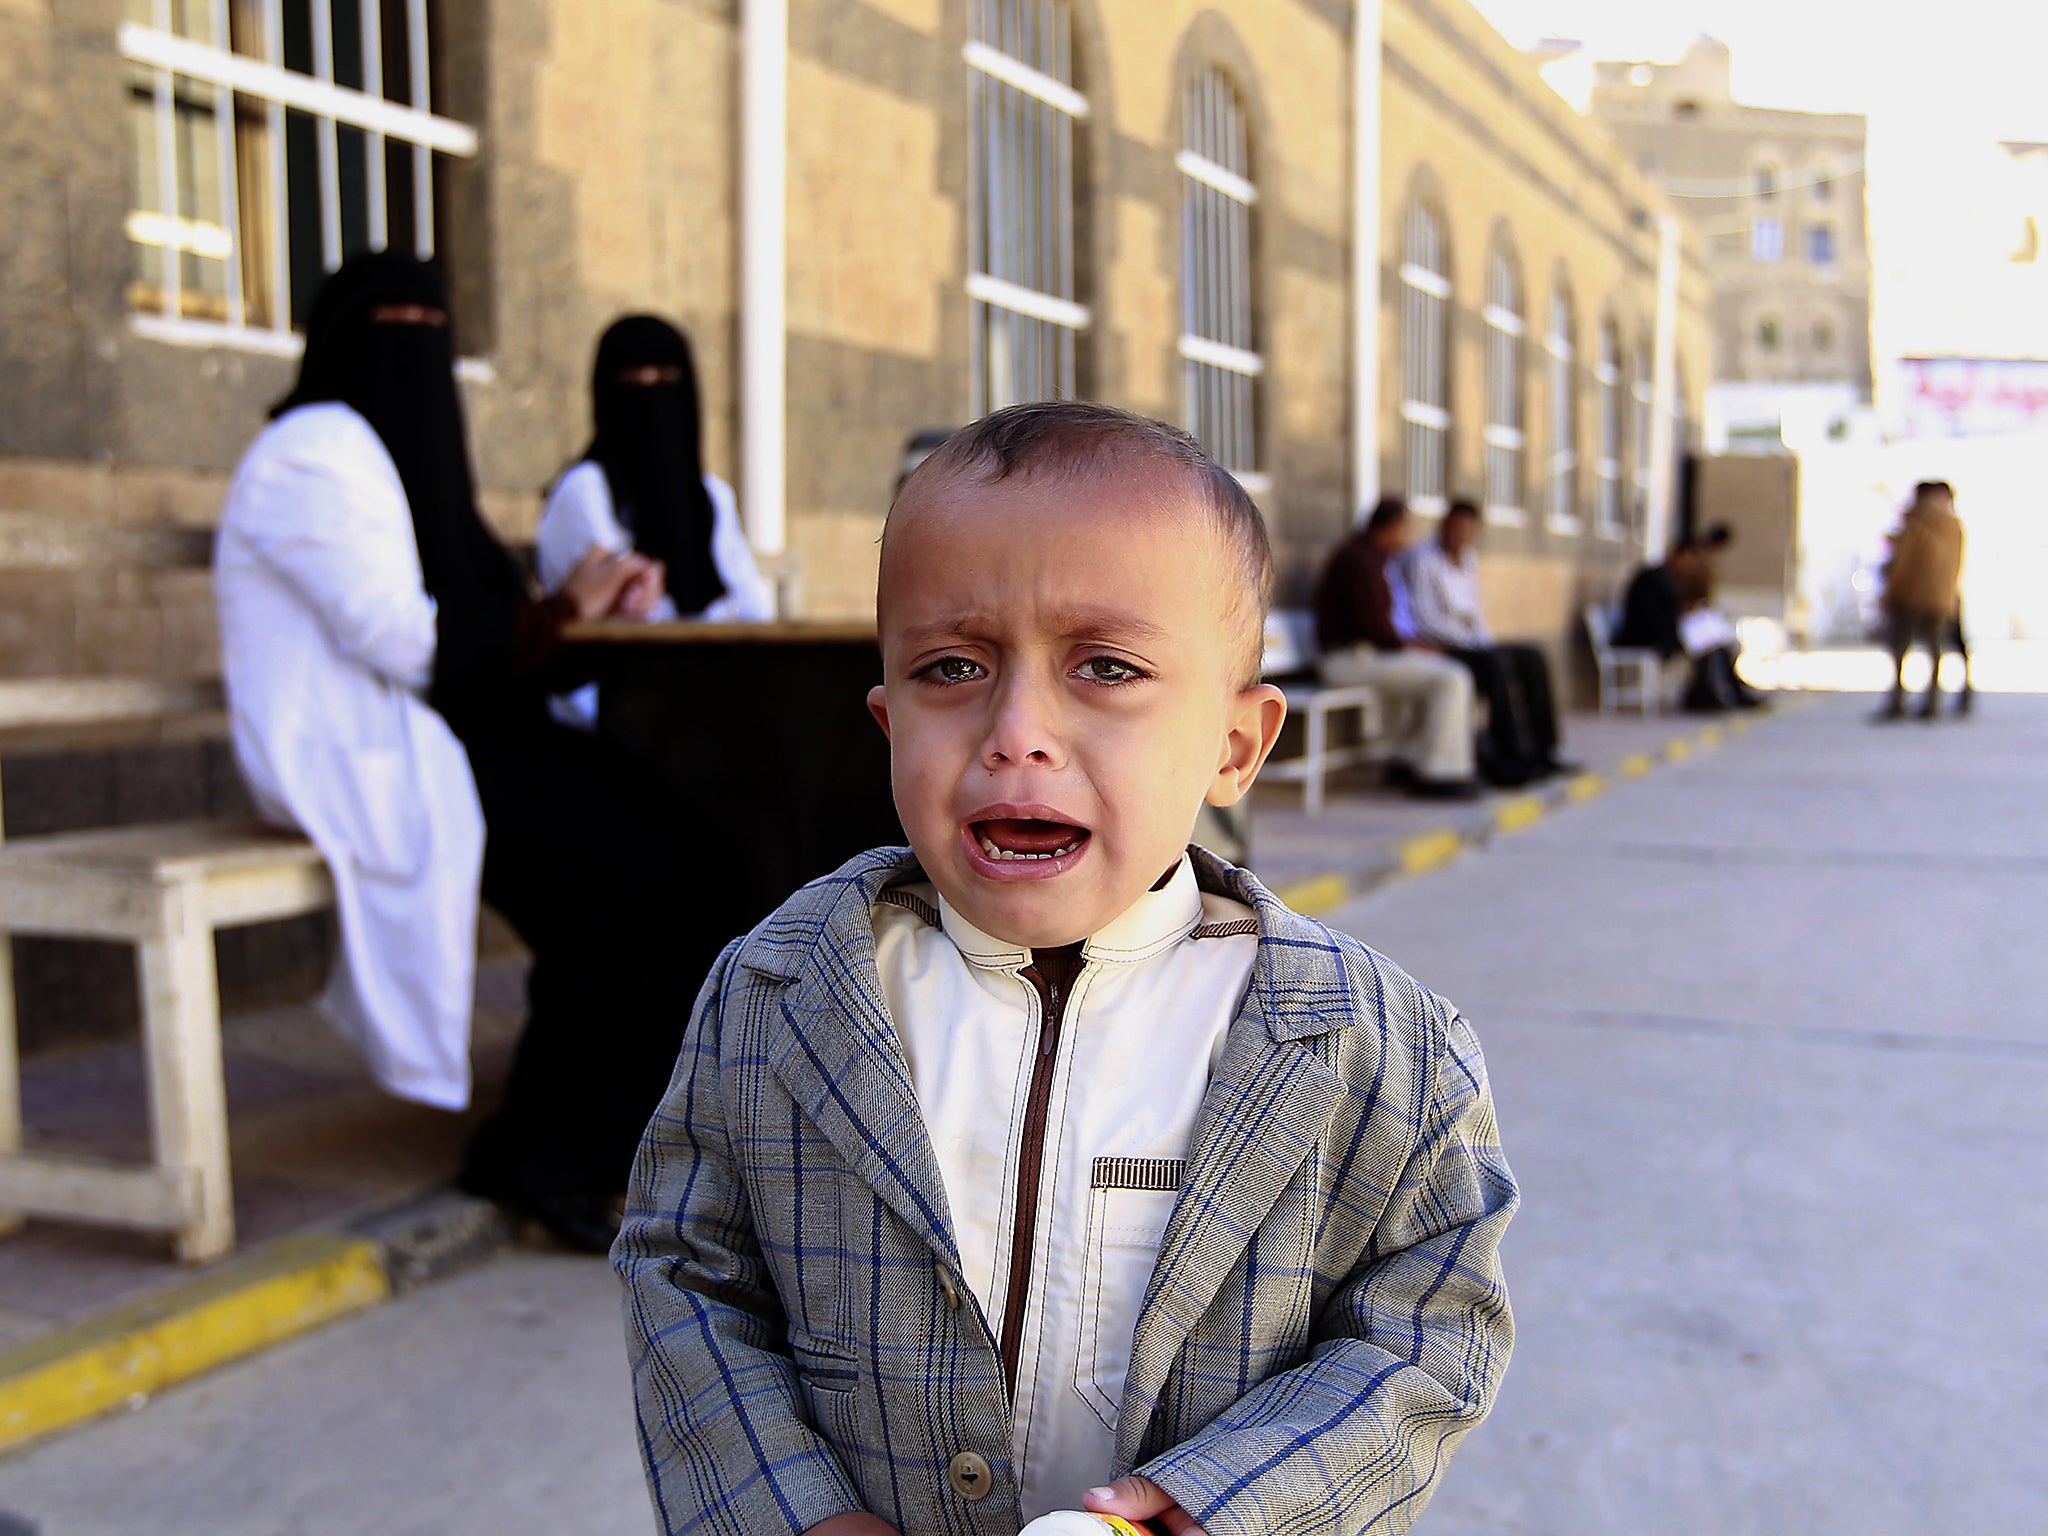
(1777, 199)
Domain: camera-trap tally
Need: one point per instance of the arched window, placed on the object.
(1024, 115)
(1607, 378)
(1220, 361)
(1823, 336)
(1767, 333)
(1425, 354)
(1505, 330)
(1561, 505)
(1767, 181)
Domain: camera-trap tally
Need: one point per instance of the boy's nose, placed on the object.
(1025, 729)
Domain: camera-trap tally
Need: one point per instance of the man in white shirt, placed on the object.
(1442, 579)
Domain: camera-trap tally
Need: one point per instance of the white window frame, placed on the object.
(1767, 239)
(1507, 405)
(1023, 269)
(1643, 392)
(1425, 360)
(1221, 363)
(1607, 522)
(1823, 232)
(1561, 478)
(170, 56)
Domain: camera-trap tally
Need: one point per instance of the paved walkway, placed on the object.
(1769, 1044)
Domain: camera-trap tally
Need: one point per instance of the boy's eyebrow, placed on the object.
(1069, 624)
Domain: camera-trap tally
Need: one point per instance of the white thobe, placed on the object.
(327, 648)
(1142, 1029)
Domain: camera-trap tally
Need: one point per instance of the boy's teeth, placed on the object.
(988, 847)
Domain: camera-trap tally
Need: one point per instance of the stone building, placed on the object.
(1777, 199)
(1152, 204)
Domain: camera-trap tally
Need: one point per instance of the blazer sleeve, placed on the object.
(1408, 1350)
(723, 1432)
(333, 536)
(748, 597)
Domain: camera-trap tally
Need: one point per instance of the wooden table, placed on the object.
(762, 733)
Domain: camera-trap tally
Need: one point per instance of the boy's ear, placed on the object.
(878, 706)
(1251, 728)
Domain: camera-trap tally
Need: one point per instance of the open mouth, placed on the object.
(1008, 839)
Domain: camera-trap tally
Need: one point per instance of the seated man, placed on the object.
(1669, 609)
(1365, 637)
(1443, 599)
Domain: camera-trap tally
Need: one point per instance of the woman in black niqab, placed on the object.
(380, 341)
(648, 442)
(579, 855)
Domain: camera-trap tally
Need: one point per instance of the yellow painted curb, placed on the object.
(1429, 850)
(1677, 750)
(1522, 811)
(1584, 787)
(1710, 736)
(80, 1373)
(1636, 765)
(1315, 898)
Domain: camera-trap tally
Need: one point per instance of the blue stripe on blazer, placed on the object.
(1326, 1318)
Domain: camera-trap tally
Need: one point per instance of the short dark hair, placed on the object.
(1387, 512)
(1461, 508)
(1933, 488)
(1078, 438)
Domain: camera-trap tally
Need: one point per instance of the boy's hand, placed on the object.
(853, 1525)
(1139, 1499)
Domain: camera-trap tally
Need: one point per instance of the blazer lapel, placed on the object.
(842, 1063)
(1263, 1115)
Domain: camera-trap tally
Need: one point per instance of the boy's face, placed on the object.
(1061, 664)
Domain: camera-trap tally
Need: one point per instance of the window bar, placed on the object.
(171, 259)
(374, 190)
(230, 185)
(280, 213)
(328, 134)
(422, 157)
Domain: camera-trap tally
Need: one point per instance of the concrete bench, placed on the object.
(165, 889)
(1290, 657)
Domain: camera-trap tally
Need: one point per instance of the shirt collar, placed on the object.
(1156, 921)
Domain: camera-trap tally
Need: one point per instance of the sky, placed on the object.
(1941, 84)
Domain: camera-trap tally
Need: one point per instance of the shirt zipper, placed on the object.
(1052, 995)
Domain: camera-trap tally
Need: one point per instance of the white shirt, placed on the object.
(580, 517)
(1141, 1031)
(1443, 596)
(327, 646)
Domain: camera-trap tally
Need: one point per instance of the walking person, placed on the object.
(1442, 578)
(641, 485)
(1920, 590)
(1365, 634)
(388, 676)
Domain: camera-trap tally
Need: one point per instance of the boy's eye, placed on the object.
(953, 669)
(1109, 669)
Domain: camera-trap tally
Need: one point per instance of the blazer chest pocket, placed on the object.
(1129, 1203)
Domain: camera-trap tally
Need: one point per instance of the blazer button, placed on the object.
(970, 1476)
(952, 1291)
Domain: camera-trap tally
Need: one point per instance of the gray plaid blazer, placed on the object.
(1325, 1321)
